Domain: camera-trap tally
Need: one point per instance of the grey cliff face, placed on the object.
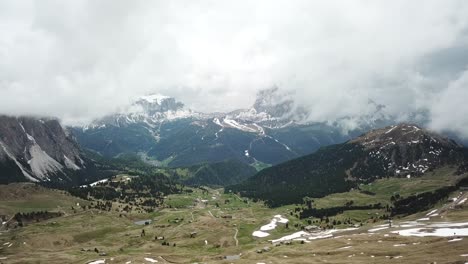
(38, 148)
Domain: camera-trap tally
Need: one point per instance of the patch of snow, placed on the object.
(455, 239)
(284, 145)
(384, 225)
(346, 247)
(216, 134)
(410, 224)
(423, 219)
(377, 229)
(260, 234)
(462, 201)
(217, 122)
(449, 224)
(291, 237)
(391, 129)
(259, 128)
(431, 212)
(151, 260)
(100, 261)
(272, 224)
(437, 232)
(234, 124)
(320, 236)
(95, 183)
(399, 245)
(22, 127)
(312, 236)
(281, 219)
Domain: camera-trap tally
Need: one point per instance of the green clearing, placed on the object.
(385, 188)
(98, 234)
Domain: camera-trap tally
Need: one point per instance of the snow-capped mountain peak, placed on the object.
(153, 98)
(151, 110)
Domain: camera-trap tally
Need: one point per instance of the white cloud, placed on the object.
(82, 59)
(450, 109)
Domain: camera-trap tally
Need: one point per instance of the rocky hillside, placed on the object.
(35, 150)
(396, 151)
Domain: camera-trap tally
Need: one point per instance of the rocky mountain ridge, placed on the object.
(37, 149)
(268, 111)
(161, 128)
(409, 149)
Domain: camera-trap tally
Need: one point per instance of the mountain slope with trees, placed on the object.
(397, 151)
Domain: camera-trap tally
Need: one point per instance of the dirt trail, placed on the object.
(235, 237)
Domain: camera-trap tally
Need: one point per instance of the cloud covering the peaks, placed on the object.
(79, 60)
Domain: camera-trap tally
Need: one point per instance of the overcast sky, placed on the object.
(78, 60)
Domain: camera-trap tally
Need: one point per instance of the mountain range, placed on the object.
(163, 132)
(41, 150)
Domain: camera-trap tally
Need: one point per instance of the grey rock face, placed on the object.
(39, 148)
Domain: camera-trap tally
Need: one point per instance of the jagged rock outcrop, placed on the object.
(36, 149)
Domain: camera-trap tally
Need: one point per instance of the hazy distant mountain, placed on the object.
(160, 128)
(396, 151)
